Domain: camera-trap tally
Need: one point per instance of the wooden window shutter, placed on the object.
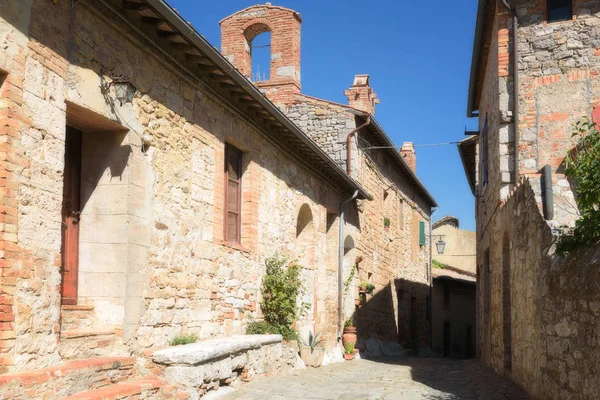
(421, 233)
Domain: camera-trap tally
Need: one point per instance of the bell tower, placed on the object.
(237, 34)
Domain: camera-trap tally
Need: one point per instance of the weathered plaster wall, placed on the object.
(460, 248)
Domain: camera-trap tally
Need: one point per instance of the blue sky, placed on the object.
(418, 55)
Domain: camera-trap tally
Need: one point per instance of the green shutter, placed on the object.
(421, 233)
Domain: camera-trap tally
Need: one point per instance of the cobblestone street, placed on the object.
(412, 378)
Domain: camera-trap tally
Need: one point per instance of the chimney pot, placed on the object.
(361, 95)
(410, 155)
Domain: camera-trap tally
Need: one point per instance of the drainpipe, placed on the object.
(515, 58)
(349, 145)
(341, 264)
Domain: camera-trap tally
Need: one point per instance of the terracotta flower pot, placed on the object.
(349, 335)
(348, 356)
(357, 302)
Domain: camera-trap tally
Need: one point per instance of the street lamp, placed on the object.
(440, 245)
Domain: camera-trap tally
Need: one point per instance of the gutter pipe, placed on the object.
(349, 145)
(515, 58)
(341, 263)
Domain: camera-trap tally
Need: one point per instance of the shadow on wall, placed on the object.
(399, 312)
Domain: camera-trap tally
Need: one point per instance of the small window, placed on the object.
(559, 10)
(421, 233)
(401, 215)
(233, 193)
(2, 77)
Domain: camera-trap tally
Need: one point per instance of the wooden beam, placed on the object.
(168, 34)
(130, 5)
(199, 58)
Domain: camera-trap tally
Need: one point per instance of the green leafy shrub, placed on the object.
(583, 169)
(349, 323)
(261, 328)
(183, 339)
(349, 348)
(281, 288)
(437, 264)
(386, 222)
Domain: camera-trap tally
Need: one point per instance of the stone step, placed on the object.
(147, 387)
(83, 343)
(78, 316)
(66, 379)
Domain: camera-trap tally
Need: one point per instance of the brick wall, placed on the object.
(239, 30)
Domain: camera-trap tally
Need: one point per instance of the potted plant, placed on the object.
(369, 288)
(349, 351)
(312, 352)
(349, 335)
(386, 223)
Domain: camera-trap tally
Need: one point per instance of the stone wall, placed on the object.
(326, 123)
(559, 82)
(153, 255)
(553, 314)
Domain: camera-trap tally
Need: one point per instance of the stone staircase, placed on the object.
(181, 372)
(98, 378)
(82, 337)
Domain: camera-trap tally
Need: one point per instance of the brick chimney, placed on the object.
(410, 156)
(361, 95)
(239, 30)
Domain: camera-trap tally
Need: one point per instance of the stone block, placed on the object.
(198, 353)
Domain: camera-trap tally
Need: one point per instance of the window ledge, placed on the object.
(232, 245)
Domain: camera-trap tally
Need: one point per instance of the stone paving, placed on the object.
(404, 378)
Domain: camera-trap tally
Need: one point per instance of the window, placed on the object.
(401, 216)
(421, 233)
(233, 193)
(484, 153)
(559, 10)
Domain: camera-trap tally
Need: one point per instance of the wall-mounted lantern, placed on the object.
(440, 245)
(124, 91)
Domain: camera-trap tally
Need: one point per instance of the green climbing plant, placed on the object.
(281, 290)
(583, 169)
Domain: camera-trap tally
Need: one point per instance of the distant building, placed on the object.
(453, 294)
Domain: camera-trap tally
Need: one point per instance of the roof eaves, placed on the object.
(400, 160)
(463, 158)
(170, 15)
(479, 30)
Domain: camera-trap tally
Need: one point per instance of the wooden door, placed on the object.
(70, 216)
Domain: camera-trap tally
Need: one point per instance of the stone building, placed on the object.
(396, 258)
(453, 299)
(535, 71)
(144, 183)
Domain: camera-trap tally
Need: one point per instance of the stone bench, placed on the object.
(211, 363)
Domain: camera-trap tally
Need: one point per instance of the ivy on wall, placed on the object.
(583, 170)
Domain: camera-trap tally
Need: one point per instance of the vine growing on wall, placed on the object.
(583, 169)
(281, 290)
